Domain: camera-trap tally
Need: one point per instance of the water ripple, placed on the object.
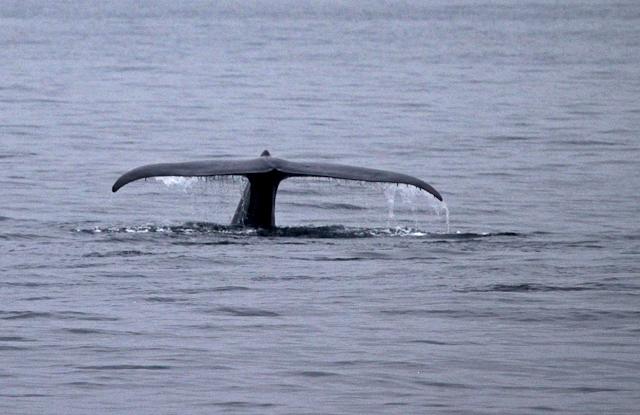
(245, 312)
(125, 367)
(201, 290)
(319, 232)
(124, 253)
(64, 315)
(526, 287)
(314, 373)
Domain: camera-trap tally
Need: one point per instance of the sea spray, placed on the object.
(443, 207)
(413, 197)
(390, 195)
(210, 198)
(410, 196)
(183, 183)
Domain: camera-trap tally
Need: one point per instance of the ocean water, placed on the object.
(366, 298)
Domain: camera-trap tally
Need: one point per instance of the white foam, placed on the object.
(177, 181)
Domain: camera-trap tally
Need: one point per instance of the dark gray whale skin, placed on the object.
(257, 206)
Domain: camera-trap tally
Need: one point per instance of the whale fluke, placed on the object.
(256, 209)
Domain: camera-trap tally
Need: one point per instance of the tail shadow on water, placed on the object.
(256, 208)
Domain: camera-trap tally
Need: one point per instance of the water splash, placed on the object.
(184, 183)
(182, 229)
(206, 229)
(412, 196)
(199, 229)
(442, 207)
(201, 193)
(390, 195)
(187, 182)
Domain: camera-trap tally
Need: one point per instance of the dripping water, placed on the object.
(410, 195)
(225, 186)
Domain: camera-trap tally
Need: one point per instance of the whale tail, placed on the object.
(257, 206)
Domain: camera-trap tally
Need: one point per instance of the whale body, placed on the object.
(257, 205)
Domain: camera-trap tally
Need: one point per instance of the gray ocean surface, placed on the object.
(524, 115)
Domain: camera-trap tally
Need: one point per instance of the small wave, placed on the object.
(23, 236)
(336, 259)
(474, 235)
(204, 228)
(122, 275)
(14, 339)
(587, 143)
(246, 312)
(65, 315)
(431, 342)
(447, 385)
(186, 228)
(575, 315)
(508, 138)
(126, 367)
(339, 232)
(85, 331)
(519, 288)
(315, 373)
(210, 243)
(291, 277)
(10, 348)
(534, 287)
(158, 299)
(39, 298)
(126, 253)
(85, 385)
(224, 288)
(129, 68)
(19, 315)
(239, 404)
(30, 284)
(23, 395)
(322, 232)
(450, 313)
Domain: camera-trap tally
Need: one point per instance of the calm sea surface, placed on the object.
(525, 116)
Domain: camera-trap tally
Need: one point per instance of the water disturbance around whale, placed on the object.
(257, 205)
